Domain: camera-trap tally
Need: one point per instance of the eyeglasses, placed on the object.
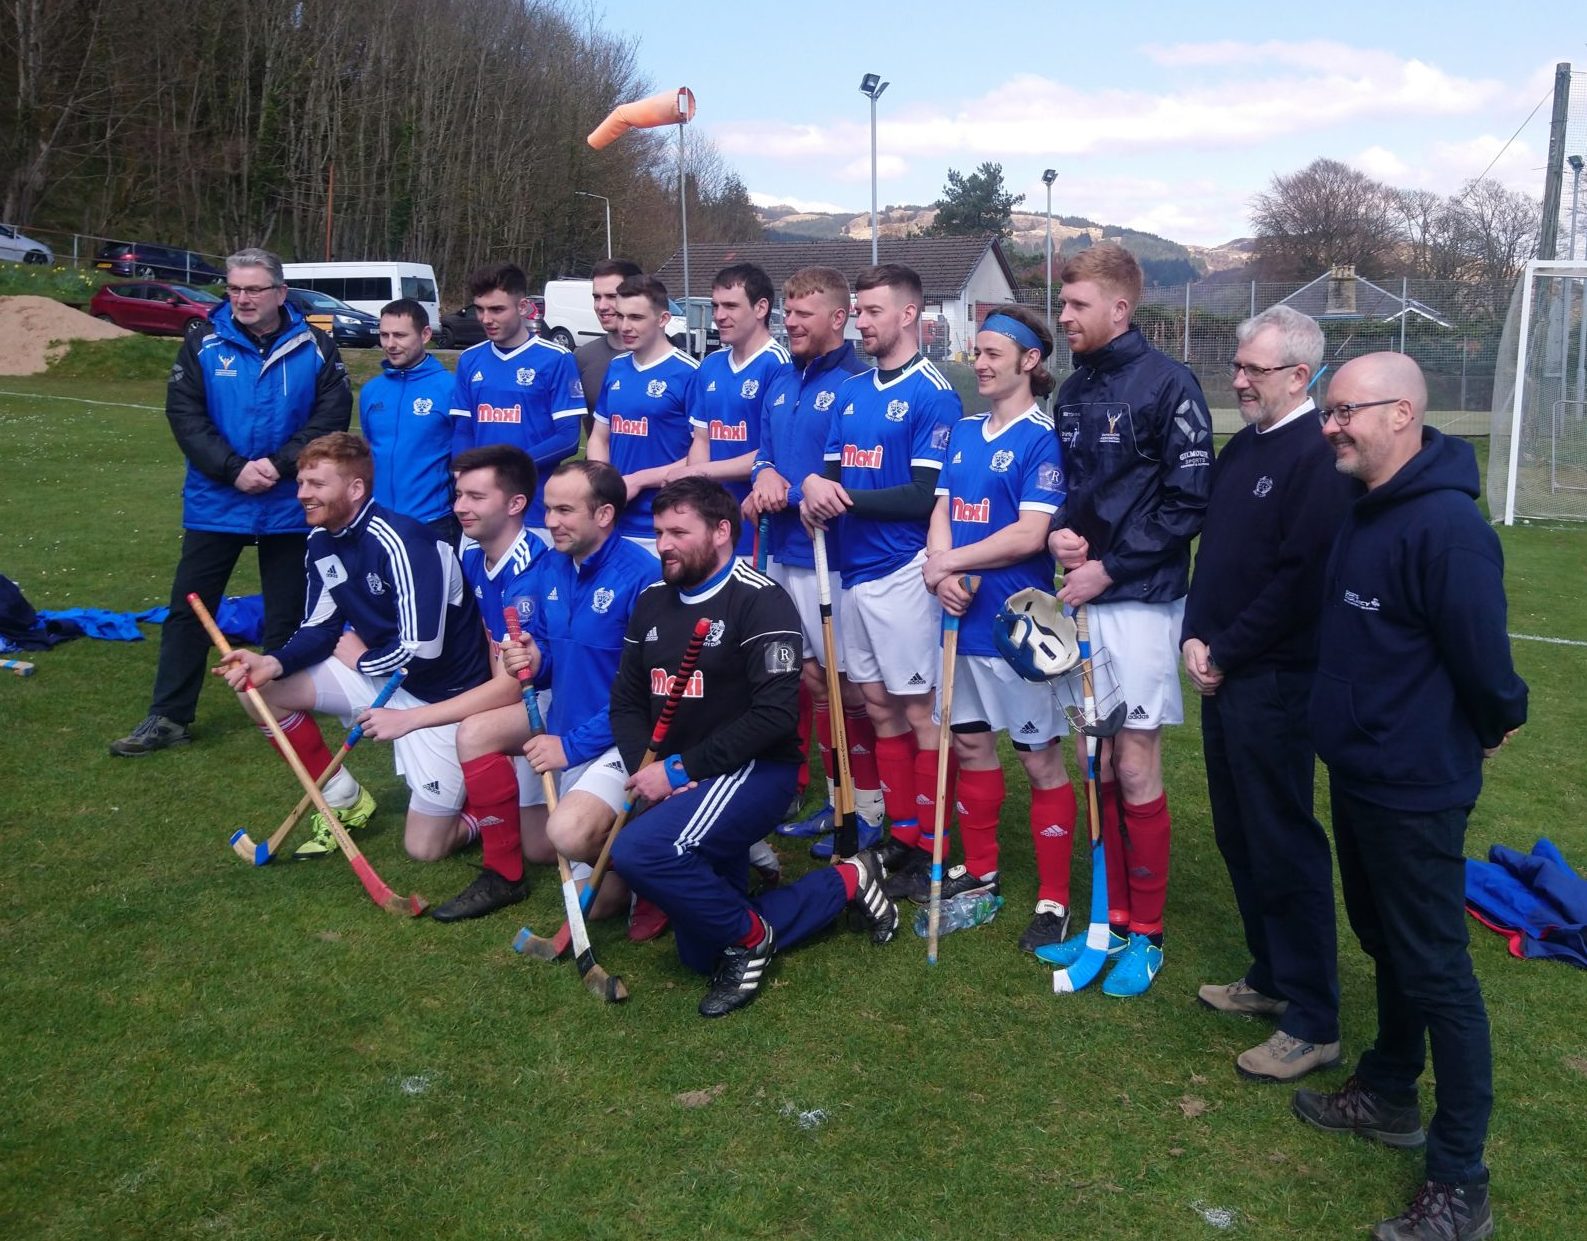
(241, 291)
(1342, 414)
(1258, 372)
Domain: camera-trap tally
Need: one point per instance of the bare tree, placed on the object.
(1499, 231)
(1325, 214)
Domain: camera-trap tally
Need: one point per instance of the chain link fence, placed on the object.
(1451, 328)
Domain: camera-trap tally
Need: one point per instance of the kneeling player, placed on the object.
(996, 498)
(731, 757)
(399, 590)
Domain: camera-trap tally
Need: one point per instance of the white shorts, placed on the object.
(648, 544)
(987, 691)
(426, 758)
(1142, 641)
(800, 583)
(892, 630)
(602, 776)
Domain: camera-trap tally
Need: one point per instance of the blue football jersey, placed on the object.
(504, 584)
(645, 410)
(725, 402)
(879, 432)
(529, 397)
(989, 480)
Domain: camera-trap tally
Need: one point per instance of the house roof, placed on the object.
(945, 264)
(1372, 301)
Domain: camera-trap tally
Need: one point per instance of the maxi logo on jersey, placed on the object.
(729, 432)
(855, 457)
(498, 413)
(972, 510)
(661, 684)
(630, 426)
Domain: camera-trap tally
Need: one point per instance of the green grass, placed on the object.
(64, 284)
(198, 1048)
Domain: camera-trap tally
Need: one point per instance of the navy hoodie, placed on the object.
(1414, 678)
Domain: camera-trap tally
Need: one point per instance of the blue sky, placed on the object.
(1162, 116)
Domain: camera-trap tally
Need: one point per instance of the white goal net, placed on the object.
(1537, 465)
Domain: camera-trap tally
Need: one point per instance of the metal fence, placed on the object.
(81, 250)
(1447, 326)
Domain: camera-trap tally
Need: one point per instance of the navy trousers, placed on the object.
(690, 855)
(208, 558)
(1404, 880)
(1260, 766)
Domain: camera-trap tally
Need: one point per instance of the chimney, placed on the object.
(1341, 290)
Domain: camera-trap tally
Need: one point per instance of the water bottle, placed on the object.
(959, 912)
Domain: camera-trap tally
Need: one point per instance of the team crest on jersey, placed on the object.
(1263, 486)
(1111, 435)
(226, 369)
(939, 435)
(423, 405)
(526, 376)
(713, 636)
(578, 387)
(781, 658)
(376, 586)
(749, 389)
(602, 600)
(1049, 477)
(526, 607)
(1001, 460)
(897, 411)
(656, 387)
(823, 401)
(331, 569)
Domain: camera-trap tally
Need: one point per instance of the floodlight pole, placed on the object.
(872, 86)
(608, 202)
(1048, 178)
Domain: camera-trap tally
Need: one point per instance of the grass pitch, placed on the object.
(195, 1048)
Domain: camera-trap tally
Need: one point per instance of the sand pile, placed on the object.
(34, 331)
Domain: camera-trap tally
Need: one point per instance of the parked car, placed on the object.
(20, 248)
(568, 313)
(345, 325)
(137, 258)
(462, 327)
(155, 308)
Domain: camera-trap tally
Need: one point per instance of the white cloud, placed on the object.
(1519, 168)
(1382, 163)
(763, 199)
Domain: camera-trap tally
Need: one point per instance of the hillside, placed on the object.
(1165, 261)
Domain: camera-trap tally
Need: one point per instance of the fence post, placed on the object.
(1462, 374)
(1405, 308)
(1186, 358)
(1253, 299)
(74, 251)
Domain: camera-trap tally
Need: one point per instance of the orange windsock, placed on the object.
(670, 107)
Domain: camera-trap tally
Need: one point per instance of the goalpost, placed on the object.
(1537, 467)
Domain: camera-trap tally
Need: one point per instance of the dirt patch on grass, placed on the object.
(34, 331)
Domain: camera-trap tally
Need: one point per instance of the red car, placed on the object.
(154, 307)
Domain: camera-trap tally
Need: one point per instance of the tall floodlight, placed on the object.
(608, 202)
(872, 86)
(1048, 178)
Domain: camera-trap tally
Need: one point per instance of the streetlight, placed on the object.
(1048, 178)
(873, 86)
(608, 202)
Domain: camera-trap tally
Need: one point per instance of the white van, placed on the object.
(570, 318)
(369, 286)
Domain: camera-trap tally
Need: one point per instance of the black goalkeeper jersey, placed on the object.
(742, 702)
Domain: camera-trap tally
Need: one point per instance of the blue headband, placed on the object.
(1016, 331)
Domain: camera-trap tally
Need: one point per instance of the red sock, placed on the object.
(756, 932)
(492, 787)
(1053, 814)
(861, 735)
(823, 720)
(850, 874)
(304, 736)
(980, 802)
(895, 761)
(926, 795)
(1113, 852)
(1147, 857)
(804, 737)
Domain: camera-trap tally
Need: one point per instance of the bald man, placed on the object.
(1414, 690)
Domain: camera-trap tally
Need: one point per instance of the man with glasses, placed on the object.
(1415, 689)
(243, 399)
(1250, 650)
